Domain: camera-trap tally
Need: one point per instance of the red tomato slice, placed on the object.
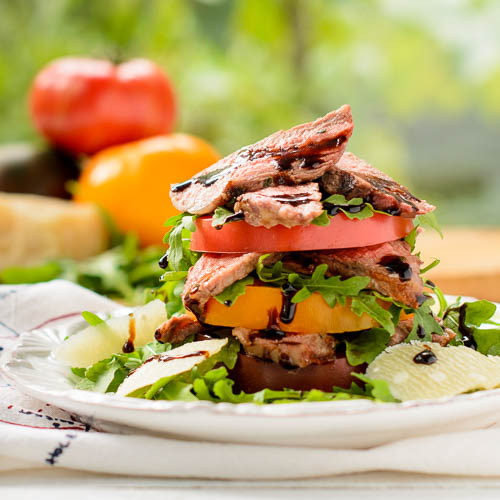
(240, 237)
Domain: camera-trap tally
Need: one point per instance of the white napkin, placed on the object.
(36, 435)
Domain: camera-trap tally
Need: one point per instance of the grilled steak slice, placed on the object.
(405, 327)
(290, 349)
(286, 205)
(393, 271)
(212, 274)
(290, 157)
(177, 329)
(354, 178)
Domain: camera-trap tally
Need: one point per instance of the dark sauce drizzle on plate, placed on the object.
(128, 347)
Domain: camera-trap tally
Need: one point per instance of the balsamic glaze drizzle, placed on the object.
(163, 262)
(426, 357)
(288, 308)
(395, 264)
(129, 347)
(467, 333)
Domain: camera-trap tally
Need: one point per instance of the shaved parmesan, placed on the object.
(171, 363)
(456, 370)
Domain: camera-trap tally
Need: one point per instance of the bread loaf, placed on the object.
(36, 228)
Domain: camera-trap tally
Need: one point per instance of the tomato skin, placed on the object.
(131, 181)
(253, 374)
(240, 237)
(85, 105)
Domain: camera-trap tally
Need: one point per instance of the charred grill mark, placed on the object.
(388, 188)
(347, 182)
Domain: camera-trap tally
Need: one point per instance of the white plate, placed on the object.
(354, 424)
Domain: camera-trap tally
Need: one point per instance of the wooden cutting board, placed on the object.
(470, 261)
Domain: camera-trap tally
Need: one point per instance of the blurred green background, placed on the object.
(422, 77)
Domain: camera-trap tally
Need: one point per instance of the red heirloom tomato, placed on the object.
(240, 237)
(85, 105)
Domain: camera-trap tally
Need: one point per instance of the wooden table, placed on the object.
(470, 261)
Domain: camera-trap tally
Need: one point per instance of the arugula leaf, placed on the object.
(377, 389)
(106, 375)
(424, 322)
(36, 274)
(467, 318)
(429, 221)
(219, 217)
(367, 303)
(91, 318)
(365, 211)
(229, 295)
(443, 304)
(488, 341)
(340, 199)
(274, 274)
(216, 386)
(479, 312)
(210, 381)
(366, 346)
(321, 220)
(180, 257)
(174, 276)
(170, 293)
(411, 237)
(432, 265)
(331, 289)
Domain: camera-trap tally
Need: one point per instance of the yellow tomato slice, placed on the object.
(312, 315)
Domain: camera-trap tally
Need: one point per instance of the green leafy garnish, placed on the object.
(424, 323)
(367, 303)
(432, 265)
(479, 312)
(210, 381)
(468, 318)
(124, 271)
(91, 318)
(232, 292)
(366, 346)
(219, 216)
(274, 274)
(180, 257)
(170, 293)
(429, 221)
(106, 375)
(332, 289)
(36, 274)
(321, 220)
(365, 212)
(443, 304)
(377, 389)
(411, 237)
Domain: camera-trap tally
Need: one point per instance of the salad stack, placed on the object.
(292, 275)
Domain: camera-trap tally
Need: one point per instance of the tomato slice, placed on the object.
(241, 237)
(313, 315)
